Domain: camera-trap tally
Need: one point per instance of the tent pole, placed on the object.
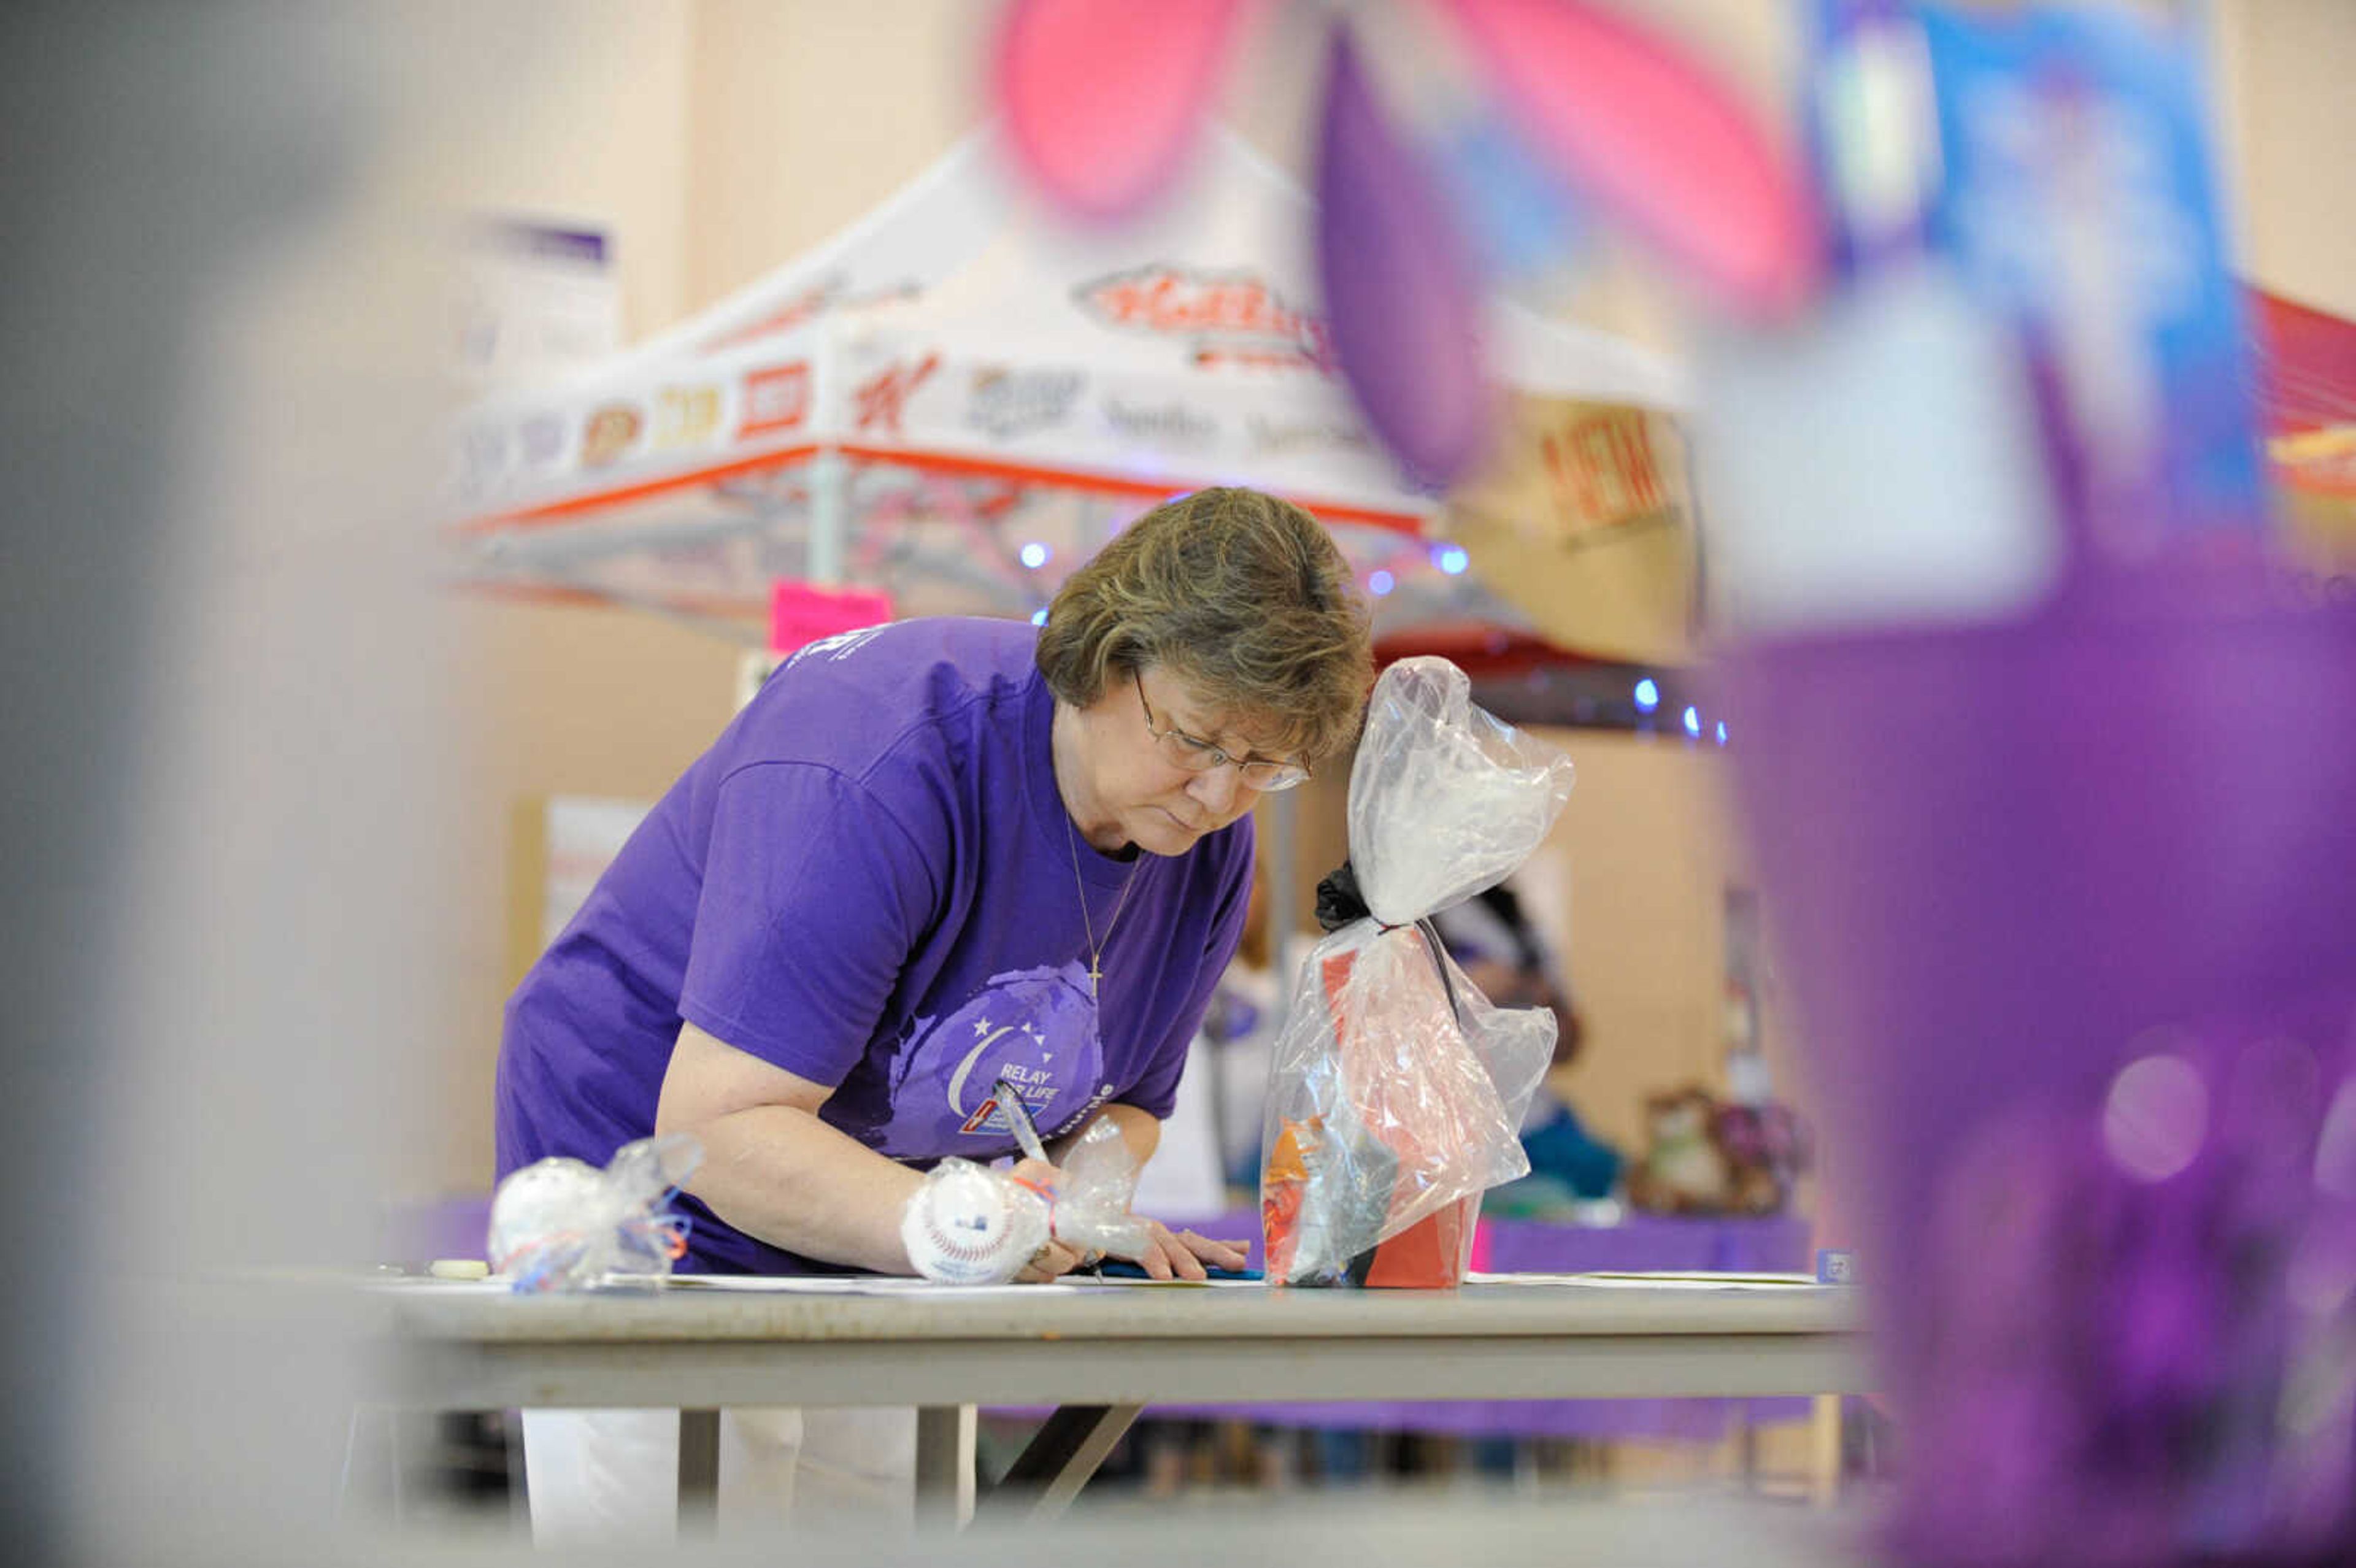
(829, 522)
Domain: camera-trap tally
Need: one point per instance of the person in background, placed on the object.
(925, 856)
(1246, 1010)
(1493, 939)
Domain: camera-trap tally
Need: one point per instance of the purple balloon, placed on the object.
(1400, 289)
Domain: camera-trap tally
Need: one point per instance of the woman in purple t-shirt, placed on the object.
(935, 855)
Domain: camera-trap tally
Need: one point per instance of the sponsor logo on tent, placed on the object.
(543, 438)
(482, 456)
(878, 402)
(610, 431)
(492, 451)
(1232, 316)
(1601, 469)
(686, 416)
(1171, 425)
(1209, 358)
(1008, 403)
(775, 398)
(1272, 436)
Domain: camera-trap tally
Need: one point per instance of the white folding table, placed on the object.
(1101, 1352)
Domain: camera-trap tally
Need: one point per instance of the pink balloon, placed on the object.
(1656, 140)
(1401, 290)
(1103, 98)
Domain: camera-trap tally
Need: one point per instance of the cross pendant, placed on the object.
(1095, 975)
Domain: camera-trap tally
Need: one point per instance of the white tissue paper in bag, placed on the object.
(1444, 799)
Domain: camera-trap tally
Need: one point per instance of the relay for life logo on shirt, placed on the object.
(1034, 1028)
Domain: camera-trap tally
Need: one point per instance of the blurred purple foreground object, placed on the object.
(1400, 289)
(2071, 912)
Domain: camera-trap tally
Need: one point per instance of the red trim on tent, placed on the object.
(573, 506)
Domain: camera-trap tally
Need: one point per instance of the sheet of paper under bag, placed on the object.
(1395, 1088)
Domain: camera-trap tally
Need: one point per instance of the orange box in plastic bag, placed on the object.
(1433, 1252)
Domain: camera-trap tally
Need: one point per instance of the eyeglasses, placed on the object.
(1201, 757)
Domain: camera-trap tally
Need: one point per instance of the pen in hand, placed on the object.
(1018, 1116)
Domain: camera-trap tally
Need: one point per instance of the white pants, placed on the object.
(610, 1478)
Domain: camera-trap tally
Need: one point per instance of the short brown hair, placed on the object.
(1241, 595)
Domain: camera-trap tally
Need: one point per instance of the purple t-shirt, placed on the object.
(868, 882)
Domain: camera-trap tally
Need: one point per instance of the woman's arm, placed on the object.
(774, 1170)
(1140, 1131)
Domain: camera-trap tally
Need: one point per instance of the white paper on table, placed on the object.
(894, 1285)
(492, 1285)
(1125, 1282)
(1674, 1280)
(838, 1285)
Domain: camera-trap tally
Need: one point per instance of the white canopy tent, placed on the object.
(962, 360)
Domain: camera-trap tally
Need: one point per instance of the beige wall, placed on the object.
(573, 110)
(2285, 89)
(807, 112)
(588, 119)
(1631, 888)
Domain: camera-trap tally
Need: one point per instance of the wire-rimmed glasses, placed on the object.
(1199, 756)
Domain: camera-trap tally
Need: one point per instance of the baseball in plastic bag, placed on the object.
(1395, 1088)
(968, 1224)
(562, 1224)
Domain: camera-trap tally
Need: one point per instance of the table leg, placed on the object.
(943, 1466)
(699, 1472)
(1825, 1450)
(1061, 1456)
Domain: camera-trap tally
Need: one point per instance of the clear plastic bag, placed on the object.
(968, 1224)
(1444, 799)
(563, 1224)
(1395, 1088)
(1092, 1202)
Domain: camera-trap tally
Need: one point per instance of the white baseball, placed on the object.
(970, 1226)
(553, 1197)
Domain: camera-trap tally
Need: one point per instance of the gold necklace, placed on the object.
(1096, 949)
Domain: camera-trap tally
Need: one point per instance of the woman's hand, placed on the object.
(1183, 1254)
(1052, 1261)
